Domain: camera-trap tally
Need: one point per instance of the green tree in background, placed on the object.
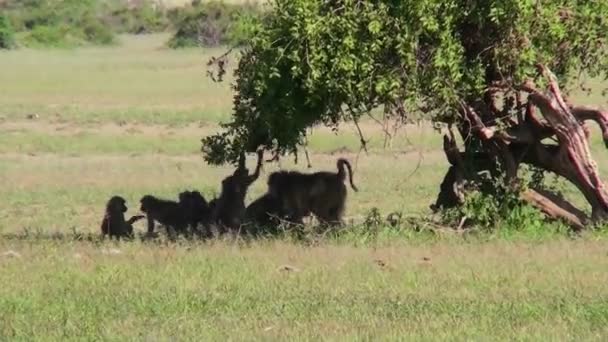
(487, 70)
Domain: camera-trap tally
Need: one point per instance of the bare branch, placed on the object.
(600, 117)
(555, 207)
(361, 137)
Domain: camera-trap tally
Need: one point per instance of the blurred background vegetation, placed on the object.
(72, 23)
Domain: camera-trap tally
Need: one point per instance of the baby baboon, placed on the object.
(168, 213)
(229, 208)
(114, 223)
(196, 210)
(321, 193)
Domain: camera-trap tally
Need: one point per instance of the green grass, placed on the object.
(128, 120)
(138, 81)
(446, 291)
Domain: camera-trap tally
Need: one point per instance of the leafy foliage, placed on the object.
(326, 62)
(7, 35)
(214, 23)
(501, 210)
(59, 22)
(143, 18)
(63, 23)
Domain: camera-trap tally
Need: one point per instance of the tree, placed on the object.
(490, 69)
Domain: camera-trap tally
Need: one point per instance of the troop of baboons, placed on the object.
(291, 196)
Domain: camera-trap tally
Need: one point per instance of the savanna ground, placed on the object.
(78, 126)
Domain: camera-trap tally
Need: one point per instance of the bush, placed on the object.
(7, 35)
(212, 24)
(64, 23)
(59, 23)
(63, 36)
(97, 33)
(42, 35)
(139, 19)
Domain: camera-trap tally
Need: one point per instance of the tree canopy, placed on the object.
(483, 67)
(326, 62)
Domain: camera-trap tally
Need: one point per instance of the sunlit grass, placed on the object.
(140, 76)
(492, 291)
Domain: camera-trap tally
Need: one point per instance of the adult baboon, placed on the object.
(168, 213)
(196, 210)
(212, 204)
(229, 208)
(264, 212)
(114, 223)
(321, 193)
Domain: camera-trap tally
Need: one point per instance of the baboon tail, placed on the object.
(342, 172)
(135, 219)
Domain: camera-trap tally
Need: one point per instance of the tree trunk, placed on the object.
(521, 142)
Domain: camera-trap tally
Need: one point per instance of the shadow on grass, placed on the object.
(308, 235)
(41, 235)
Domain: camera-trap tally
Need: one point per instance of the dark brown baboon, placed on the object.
(114, 223)
(264, 212)
(229, 208)
(168, 213)
(197, 212)
(212, 204)
(321, 193)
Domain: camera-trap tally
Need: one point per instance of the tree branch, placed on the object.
(583, 113)
(555, 207)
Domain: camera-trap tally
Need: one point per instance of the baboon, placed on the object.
(212, 204)
(168, 213)
(196, 210)
(229, 208)
(321, 193)
(114, 223)
(264, 212)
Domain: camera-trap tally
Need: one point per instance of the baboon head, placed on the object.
(192, 201)
(192, 198)
(184, 196)
(116, 205)
(147, 202)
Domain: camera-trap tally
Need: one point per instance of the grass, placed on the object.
(77, 126)
(277, 291)
(139, 81)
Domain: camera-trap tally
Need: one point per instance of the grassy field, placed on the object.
(77, 126)
(276, 291)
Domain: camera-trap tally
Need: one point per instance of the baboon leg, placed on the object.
(296, 210)
(331, 216)
(150, 225)
(195, 229)
(206, 231)
(171, 233)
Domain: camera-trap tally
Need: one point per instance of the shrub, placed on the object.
(213, 24)
(139, 19)
(7, 35)
(97, 33)
(43, 35)
(59, 23)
